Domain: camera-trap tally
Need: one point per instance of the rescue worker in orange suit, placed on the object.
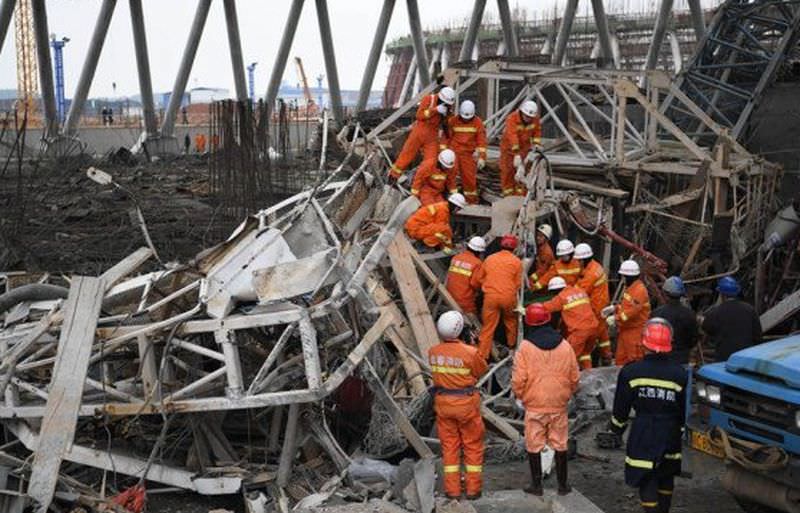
(431, 223)
(456, 367)
(630, 315)
(434, 177)
(655, 388)
(544, 253)
(522, 133)
(594, 281)
(544, 378)
(459, 276)
(200, 143)
(467, 136)
(425, 132)
(565, 267)
(577, 316)
(500, 278)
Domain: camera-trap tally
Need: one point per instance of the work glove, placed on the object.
(448, 251)
(520, 309)
(530, 157)
(481, 163)
(517, 161)
(441, 109)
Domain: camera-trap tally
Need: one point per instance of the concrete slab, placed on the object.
(511, 501)
(575, 502)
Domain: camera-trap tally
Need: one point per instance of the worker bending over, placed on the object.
(681, 318)
(424, 135)
(467, 136)
(544, 253)
(655, 388)
(522, 133)
(456, 367)
(593, 281)
(500, 278)
(630, 315)
(732, 325)
(566, 267)
(431, 223)
(577, 316)
(434, 177)
(544, 378)
(459, 276)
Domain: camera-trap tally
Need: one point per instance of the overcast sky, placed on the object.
(261, 24)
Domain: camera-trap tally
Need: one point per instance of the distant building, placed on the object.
(208, 94)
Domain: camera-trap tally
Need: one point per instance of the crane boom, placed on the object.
(301, 74)
(27, 67)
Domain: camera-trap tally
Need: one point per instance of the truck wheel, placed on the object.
(752, 507)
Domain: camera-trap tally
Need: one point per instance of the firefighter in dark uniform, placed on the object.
(656, 388)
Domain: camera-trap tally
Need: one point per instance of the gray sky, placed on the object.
(261, 25)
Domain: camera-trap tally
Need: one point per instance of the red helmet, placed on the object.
(657, 335)
(536, 315)
(509, 241)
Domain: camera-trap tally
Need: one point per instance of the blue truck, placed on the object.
(748, 411)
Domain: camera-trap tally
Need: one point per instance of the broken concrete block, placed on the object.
(511, 501)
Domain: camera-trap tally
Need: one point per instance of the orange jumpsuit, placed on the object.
(544, 258)
(500, 278)
(459, 277)
(456, 367)
(518, 138)
(430, 182)
(200, 143)
(595, 282)
(579, 321)
(570, 271)
(466, 136)
(631, 315)
(424, 135)
(431, 225)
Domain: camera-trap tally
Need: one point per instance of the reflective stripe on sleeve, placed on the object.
(619, 424)
(431, 209)
(577, 302)
(638, 463)
(459, 270)
(658, 383)
(443, 369)
(515, 147)
(438, 176)
(569, 271)
(604, 343)
(600, 281)
(470, 193)
(673, 456)
(623, 316)
(465, 129)
(508, 191)
(414, 191)
(585, 357)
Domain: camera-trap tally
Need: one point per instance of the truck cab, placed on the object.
(748, 410)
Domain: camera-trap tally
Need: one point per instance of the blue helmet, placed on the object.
(728, 286)
(674, 287)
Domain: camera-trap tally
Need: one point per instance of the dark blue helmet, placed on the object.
(728, 286)
(674, 287)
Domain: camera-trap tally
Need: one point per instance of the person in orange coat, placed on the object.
(200, 143)
(456, 367)
(424, 135)
(522, 132)
(545, 257)
(543, 378)
(630, 315)
(434, 177)
(577, 316)
(594, 281)
(566, 267)
(500, 278)
(431, 223)
(467, 135)
(459, 275)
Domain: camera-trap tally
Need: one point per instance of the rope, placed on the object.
(756, 457)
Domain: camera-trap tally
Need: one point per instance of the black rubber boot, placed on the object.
(561, 473)
(535, 462)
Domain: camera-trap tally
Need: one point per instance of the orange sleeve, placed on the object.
(555, 304)
(540, 282)
(536, 136)
(629, 308)
(476, 281)
(586, 281)
(452, 174)
(479, 365)
(511, 132)
(519, 374)
(427, 108)
(480, 139)
(422, 174)
(574, 372)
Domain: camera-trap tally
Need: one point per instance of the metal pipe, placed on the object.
(41, 33)
(472, 31)
(375, 54)
(235, 44)
(659, 30)
(330, 61)
(143, 67)
(6, 12)
(175, 99)
(89, 66)
(601, 20)
(419, 44)
(283, 53)
(407, 82)
(699, 23)
(289, 446)
(564, 31)
(509, 33)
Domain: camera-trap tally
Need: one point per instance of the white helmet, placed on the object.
(447, 158)
(458, 200)
(556, 283)
(450, 325)
(529, 108)
(466, 110)
(477, 244)
(583, 250)
(564, 247)
(447, 95)
(546, 230)
(629, 268)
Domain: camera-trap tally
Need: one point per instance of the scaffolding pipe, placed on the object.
(659, 31)
(89, 66)
(283, 52)
(374, 54)
(42, 35)
(329, 54)
(143, 67)
(6, 12)
(509, 33)
(182, 78)
(698, 22)
(419, 43)
(472, 31)
(235, 44)
(603, 33)
(564, 32)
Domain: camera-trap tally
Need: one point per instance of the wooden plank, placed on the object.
(126, 266)
(500, 424)
(592, 189)
(419, 314)
(81, 312)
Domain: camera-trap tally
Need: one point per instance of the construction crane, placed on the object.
(58, 62)
(27, 67)
(311, 106)
(251, 79)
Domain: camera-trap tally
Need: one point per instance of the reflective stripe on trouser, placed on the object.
(457, 434)
(508, 185)
(629, 345)
(603, 339)
(582, 342)
(655, 493)
(418, 139)
(434, 235)
(495, 309)
(468, 169)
